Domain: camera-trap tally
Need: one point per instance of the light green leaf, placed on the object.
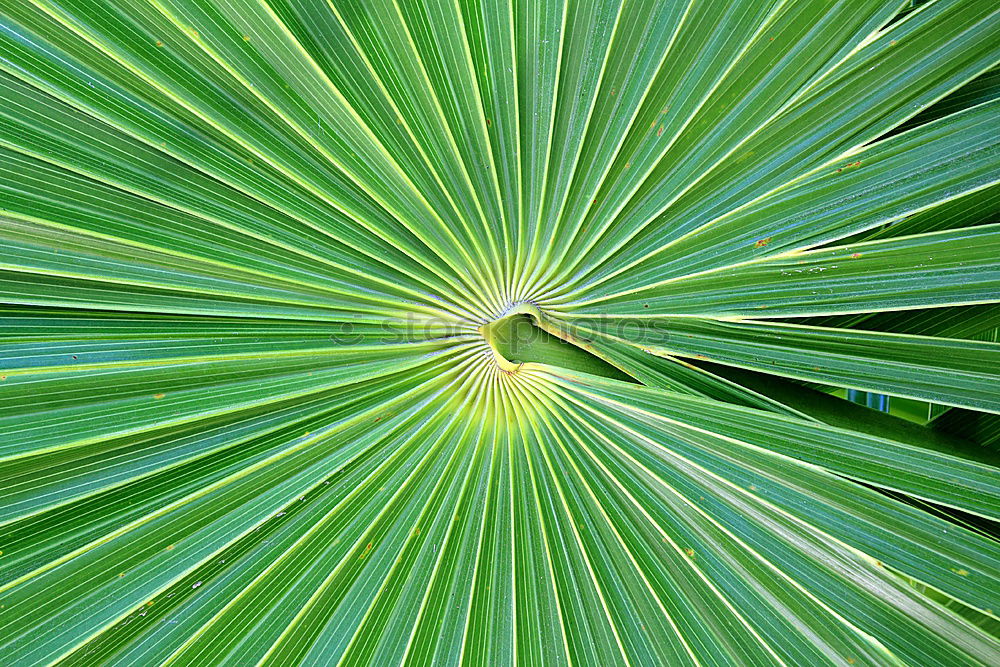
(477, 332)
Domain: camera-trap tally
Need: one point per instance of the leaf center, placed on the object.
(518, 337)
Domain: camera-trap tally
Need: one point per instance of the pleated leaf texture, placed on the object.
(494, 332)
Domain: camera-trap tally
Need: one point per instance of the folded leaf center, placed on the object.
(516, 338)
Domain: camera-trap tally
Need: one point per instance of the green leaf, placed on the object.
(949, 268)
(479, 332)
(874, 186)
(942, 370)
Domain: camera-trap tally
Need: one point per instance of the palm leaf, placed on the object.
(476, 332)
